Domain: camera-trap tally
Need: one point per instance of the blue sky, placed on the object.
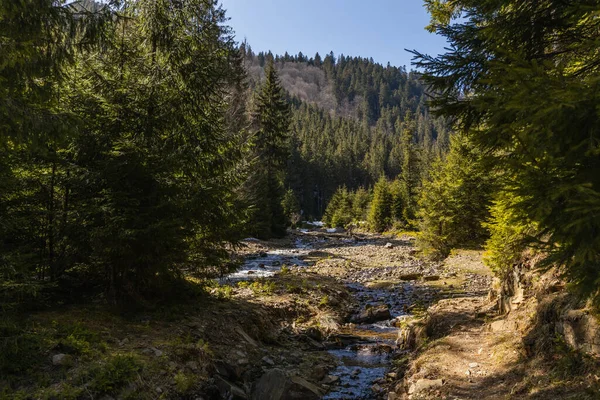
(381, 29)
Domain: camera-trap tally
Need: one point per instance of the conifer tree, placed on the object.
(522, 79)
(410, 169)
(272, 121)
(455, 201)
(380, 212)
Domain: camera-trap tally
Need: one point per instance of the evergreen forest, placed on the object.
(148, 157)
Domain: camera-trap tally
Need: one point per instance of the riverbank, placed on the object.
(314, 315)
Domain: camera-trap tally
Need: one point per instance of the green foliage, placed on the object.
(380, 212)
(339, 212)
(264, 187)
(184, 382)
(112, 375)
(291, 207)
(454, 202)
(141, 154)
(346, 207)
(21, 348)
(347, 122)
(509, 231)
(521, 78)
(360, 204)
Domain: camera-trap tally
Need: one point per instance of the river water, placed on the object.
(364, 351)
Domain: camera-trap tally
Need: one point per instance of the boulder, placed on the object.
(64, 360)
(411, 277)
(425, 384)
(373, 314)
(276, 385)
(389, 246)
(229, 390)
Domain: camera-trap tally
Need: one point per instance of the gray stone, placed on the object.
(411, 277)
(329, 379)
(389, 246)
(275, 385)
(425, 384)
(268, 360)
(64, 360)
(229, 390)
(373, 314)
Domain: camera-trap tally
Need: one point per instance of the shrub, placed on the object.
(114, 374)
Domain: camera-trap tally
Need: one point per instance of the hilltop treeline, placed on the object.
(348, 121)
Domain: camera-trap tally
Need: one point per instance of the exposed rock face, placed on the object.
(275, 385)
(411, 335)
(373, 314)
(581, 331)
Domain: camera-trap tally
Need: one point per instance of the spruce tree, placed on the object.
(522, 79)
(272, 123)
(455, 201)
(380, 212)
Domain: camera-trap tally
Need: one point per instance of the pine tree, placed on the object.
(522, 79)
(455, 201)
(380, 212)
(272, 121)
(410, 169)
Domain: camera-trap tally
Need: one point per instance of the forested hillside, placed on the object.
(348, 117)
(167, 199)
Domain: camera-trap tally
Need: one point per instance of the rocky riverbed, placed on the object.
(388, 284)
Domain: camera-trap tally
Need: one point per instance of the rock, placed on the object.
(192, 365)
(431, 278)
(226, 370)
(229, 390)
(473, 365)
(376, 388)
(64, 360)
(268, 360)
(246, 337)
(425, 384)
(389, 246)
(157, 352)
(468, 372)
(393, 396)
(373, 314)
(329, 379)
(411, 277)
(275, 385)
(498, 326)
(318, 373)
(314, 333)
